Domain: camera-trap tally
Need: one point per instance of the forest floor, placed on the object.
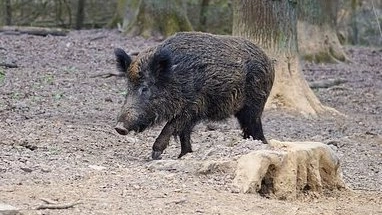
(57, 140)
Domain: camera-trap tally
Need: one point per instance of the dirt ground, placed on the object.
(57, 139)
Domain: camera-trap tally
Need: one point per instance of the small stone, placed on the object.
(46, 170)
(26, 169)
(96, 167)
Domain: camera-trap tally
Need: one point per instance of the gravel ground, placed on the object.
(57, 138)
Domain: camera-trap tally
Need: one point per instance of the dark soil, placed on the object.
(57, 138)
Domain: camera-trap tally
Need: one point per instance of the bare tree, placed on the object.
(273, 25)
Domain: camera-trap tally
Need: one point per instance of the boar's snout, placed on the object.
(121, 129)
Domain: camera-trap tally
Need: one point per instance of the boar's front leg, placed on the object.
(177, 126)
(162, 140)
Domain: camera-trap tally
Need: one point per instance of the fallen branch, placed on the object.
(108, 75)
(57, 206)
(9, 65)
(98, 38)
(326, 83)
(38, 31)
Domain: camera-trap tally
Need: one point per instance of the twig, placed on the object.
(326, 83)
(57, 206)
(49, 201)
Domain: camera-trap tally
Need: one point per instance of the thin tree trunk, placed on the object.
(203, 14)
(8, 12)
(80, 14)
(353, 21)
(273, 25)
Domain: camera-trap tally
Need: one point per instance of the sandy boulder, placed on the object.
(289, 169)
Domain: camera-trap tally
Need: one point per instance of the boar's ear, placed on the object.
(123, 60)
(161, 62)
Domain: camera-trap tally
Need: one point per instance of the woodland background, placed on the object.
(357, 20)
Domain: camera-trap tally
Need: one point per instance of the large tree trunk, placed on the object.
(316, 28)
(159, 19)
(273, 25)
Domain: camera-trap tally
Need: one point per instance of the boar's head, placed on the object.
(148, 92)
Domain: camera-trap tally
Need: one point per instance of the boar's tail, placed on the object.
(123, 60)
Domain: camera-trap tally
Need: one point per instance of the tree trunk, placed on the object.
(203, 15)
(125, 12)
(353, 22)
(316, 29)
(159, 19)
(80, 14)
(273, 25)
(8, 12)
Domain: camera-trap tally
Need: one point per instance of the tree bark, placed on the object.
(316, 28)
(273, 26)
(159, 19)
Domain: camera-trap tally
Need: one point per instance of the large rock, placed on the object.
(289, 169)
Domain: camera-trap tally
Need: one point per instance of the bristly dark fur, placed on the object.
(123, 60)
(191, 77)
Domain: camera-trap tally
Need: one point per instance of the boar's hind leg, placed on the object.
(185, 140)
(250, 122)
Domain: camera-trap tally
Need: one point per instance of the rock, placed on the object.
(209, 167)
(193, 166)
(26, 169)
(6, 209)
(289, 170)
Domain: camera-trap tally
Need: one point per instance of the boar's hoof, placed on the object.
(121, 130)
(183, 153)
(156, 155)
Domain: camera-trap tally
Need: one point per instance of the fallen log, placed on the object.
(38, 31)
